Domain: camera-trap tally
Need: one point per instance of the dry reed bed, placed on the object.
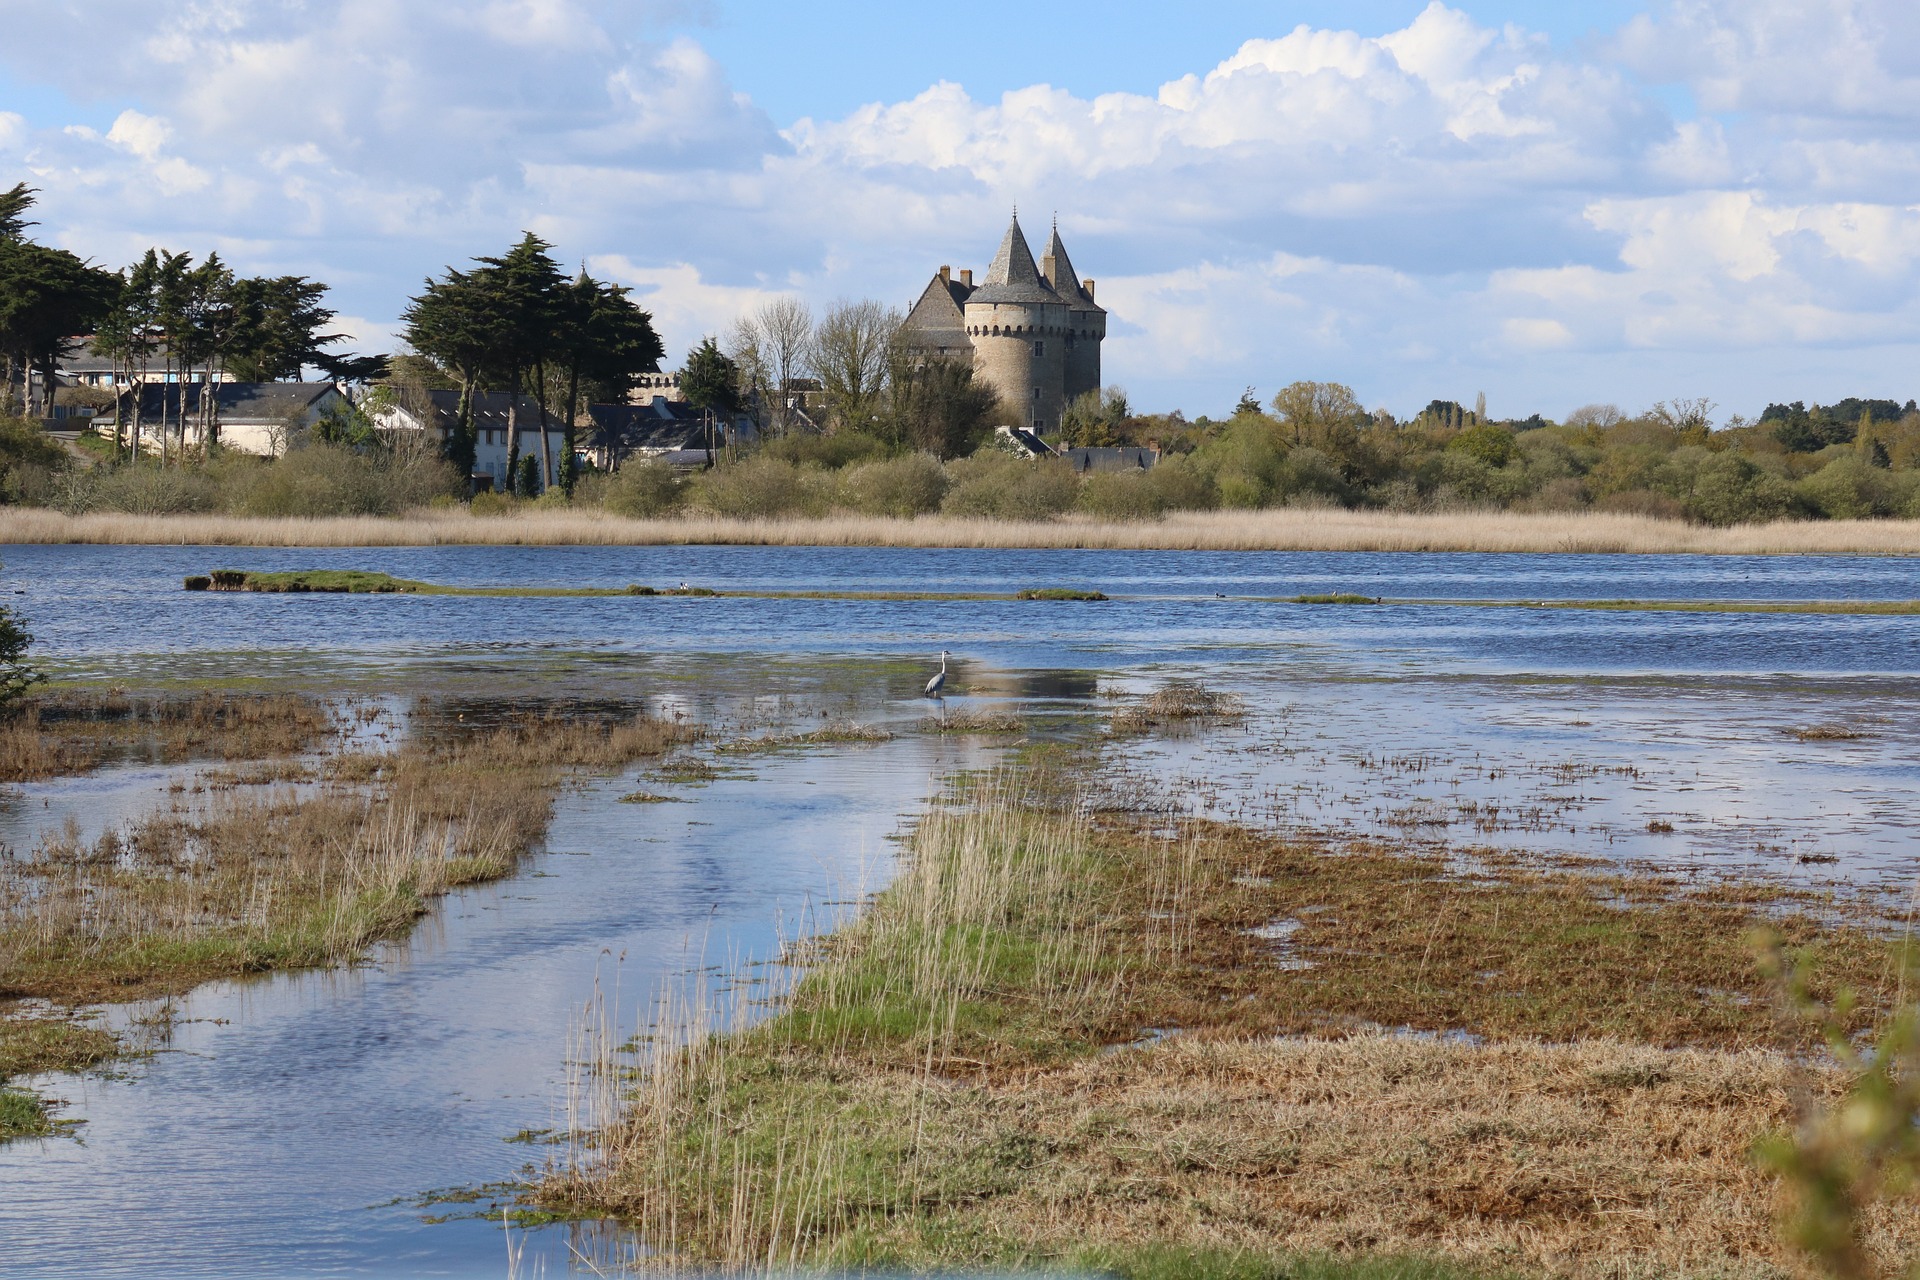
(61, 733)
(252, 881)
(1273, 530)
(932, 1092)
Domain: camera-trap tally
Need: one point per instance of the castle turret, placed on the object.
(1020, 328)
(1086, 320)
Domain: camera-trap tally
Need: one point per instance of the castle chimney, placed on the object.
(1088, 286)
(966, 277)
(946, 275)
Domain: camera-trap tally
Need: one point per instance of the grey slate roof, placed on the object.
(1065, 282)
(1105, 459)
(938, 321)
(671, 425)
(1013, 278)
(238, 401)
(489, 411)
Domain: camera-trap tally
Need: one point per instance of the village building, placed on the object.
(252, 417)
(1031, 330)
(437, 413)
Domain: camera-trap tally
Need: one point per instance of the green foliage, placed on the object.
(1728, 489)
(935, 406)
(909, 486)
(526, 478)
(17, 675)
(1094, 419)
(639, 490)
(999, 487)
(710, 380)
(762, 488)
(1847, 1156)
(1491, 444)
(831, 452)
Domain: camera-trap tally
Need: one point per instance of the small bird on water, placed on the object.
(939, 682)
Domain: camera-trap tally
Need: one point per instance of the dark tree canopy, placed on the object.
(711, 380)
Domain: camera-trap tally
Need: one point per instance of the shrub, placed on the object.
(330, 480)
(1120, 495)
(841, 449)
(762, 488)
(1003, 488)
(1491, 444)
(1728, 489)
(909, 486)
(1849, 488)
(150, 490)
(491, 503)
(639, 490)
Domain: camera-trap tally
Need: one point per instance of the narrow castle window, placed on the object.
(1039, 348)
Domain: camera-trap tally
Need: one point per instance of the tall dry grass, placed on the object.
(1269, 530)
(933, 1092)
(252, 879)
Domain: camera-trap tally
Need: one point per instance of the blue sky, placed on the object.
(1557, 204)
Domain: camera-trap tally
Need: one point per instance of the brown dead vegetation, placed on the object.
(255, 880)
(1056, 1043)
(61, 733)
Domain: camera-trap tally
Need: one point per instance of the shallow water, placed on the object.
(287, 1107)
(286, 1114)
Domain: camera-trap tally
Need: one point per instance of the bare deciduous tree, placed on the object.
(849, 354)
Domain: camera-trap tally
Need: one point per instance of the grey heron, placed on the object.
(939, 682)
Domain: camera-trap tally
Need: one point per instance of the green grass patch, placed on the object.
(325, 581)
(1059, 593)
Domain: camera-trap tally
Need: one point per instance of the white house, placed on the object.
(439, 414)
(254, 417)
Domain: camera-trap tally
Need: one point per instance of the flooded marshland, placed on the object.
(291, 1125)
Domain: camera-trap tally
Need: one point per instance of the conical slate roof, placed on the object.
(1013, 277)
(1065, 282)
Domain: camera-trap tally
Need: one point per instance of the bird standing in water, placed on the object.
(939, 682)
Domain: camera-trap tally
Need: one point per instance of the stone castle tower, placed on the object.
(1032, 331)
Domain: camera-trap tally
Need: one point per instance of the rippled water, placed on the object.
(285, 1109)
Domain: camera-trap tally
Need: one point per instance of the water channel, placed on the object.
(290, 1125)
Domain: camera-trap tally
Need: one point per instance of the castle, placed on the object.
(1032, 332)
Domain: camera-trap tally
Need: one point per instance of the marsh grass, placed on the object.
(273, 877)
(1177, 702)
(984, 721)
(1442, 1067)
(1828, 733)
(67, 732)
(1279, 529)
(834, 733)
(1059, 593)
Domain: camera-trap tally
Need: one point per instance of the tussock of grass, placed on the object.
(839, 732)
(1828, 733)
(932, 1093)
(974, 720)
(60, 733)
(1271, 530)
(1058, 593)
(1177, 702)
(329, 581)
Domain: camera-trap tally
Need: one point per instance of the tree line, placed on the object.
(515, 323)
(191, 323)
